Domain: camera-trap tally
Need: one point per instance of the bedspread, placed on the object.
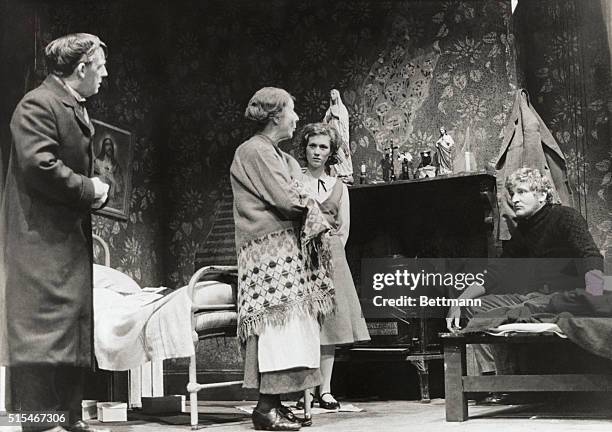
(585, 319)
(132, 329)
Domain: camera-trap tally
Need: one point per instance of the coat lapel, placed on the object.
(55, 85)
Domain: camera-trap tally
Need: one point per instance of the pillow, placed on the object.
(114, 280)
(209, 293)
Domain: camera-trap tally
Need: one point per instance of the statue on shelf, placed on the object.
(387, 166)
(425, 168)
(444, 153)
(406, 160)
(337, 116)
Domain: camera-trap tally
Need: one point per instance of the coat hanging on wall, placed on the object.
(528, 143)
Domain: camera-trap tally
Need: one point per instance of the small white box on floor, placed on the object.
(89, 409)
(112, 411)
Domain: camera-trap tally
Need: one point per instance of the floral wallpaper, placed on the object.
(444, 64)
(565, 55)
(179, 82)
(181, 74)
(403, 69)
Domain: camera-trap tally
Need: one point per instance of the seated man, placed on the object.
(544, 230)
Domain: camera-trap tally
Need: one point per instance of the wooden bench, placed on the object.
(457, 383)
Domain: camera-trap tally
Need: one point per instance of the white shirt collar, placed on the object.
(72, 91)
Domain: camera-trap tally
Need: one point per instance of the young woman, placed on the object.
(321, 142)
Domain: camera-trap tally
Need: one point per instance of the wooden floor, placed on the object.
(593, 415)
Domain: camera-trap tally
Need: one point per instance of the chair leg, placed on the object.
(308, 404)
(193, 392)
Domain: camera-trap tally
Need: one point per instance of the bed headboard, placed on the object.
(105, 248)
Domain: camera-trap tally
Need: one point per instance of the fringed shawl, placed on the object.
(285, 273)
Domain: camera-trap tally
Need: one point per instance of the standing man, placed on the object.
(46, 300)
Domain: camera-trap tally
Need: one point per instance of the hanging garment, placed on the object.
(528, 143)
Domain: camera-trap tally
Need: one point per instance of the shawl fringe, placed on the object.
(317, 308)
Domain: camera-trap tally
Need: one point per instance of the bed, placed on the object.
(134, 326)
(567, 331)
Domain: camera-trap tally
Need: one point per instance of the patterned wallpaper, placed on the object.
(444, 64)
(182, 72)
(565, 55)
(403, 69)
(180, 81)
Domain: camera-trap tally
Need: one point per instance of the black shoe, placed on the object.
(290, 415)
(273, 420)
(81, 426)
(328, 405)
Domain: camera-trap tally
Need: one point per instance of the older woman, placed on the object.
(321, 143)
(282, 288)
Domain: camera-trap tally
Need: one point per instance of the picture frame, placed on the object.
(113, 150)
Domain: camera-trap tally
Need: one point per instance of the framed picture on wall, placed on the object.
(113, 152)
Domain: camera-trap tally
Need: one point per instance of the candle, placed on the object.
(363, 168)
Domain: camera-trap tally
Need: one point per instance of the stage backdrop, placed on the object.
(181, 73)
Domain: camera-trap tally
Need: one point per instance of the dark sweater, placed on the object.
(555, 231)
(560, 249)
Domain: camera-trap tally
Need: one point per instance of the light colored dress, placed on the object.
(346, 325)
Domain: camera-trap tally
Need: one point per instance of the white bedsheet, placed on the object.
(132, 329)
(505, 329)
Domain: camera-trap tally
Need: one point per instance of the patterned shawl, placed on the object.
(285, 273)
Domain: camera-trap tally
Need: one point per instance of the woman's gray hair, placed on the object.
(532, 177)
(64, 53)
(267, 103)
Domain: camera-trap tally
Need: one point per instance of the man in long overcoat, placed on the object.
(46, 300)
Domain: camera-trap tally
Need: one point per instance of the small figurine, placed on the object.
(406, 159)
(444, 153)
(387, 166)
(362, 177)
(425, 168)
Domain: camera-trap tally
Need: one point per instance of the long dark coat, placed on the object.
(45, 228)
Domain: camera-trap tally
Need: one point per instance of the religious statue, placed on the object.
(444, 153)
(337, 116)
(387, 166)
(406, 160)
